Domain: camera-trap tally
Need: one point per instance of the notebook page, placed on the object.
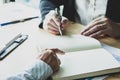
(68, 43)
(85, 64)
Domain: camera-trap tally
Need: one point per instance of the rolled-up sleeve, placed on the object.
(38, 71)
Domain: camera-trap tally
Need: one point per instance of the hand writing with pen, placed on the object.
(53, 23)
(99, 27)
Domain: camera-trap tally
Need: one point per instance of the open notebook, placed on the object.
(84, 56)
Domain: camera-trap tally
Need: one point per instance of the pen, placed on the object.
(10, 43)
(17, 21)
(60, 17)
(10, 46)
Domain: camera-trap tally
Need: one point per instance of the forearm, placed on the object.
(39, 71)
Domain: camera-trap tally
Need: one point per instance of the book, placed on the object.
(84, 56)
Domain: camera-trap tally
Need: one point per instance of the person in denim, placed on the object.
(101, 17)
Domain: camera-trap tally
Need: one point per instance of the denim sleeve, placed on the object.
(46, 5)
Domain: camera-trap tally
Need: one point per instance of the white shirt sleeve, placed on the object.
(38, 71)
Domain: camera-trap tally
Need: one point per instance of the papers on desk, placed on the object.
(15, 12)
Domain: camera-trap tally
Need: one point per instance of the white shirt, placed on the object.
(90, 9)
(38, 71)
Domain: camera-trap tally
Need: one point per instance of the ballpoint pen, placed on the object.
(12, 44)
(60, 17)
(17, 21)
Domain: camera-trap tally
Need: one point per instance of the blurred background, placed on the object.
(31, 3)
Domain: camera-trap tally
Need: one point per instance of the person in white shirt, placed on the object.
(46, 64)
(101, 17)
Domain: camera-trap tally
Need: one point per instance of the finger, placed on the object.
(51, 57)
(54, 23)
(98, 34)
(95, 29)
(98, 21)
(53, 32)
(58, 61)
(55, 63)
(61, 21)
(56, 18)
(51, 18)
(46, 56)
(58, 24)
(64, 23)
(91, 25)
(50, 22)
(52, 29)
(58, 51)
(55, 50)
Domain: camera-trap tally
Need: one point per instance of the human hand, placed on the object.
(49, 56)
(52, 23)
(102, 26)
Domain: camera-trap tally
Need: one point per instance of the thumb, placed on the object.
(64, 22)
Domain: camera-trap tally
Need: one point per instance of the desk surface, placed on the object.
(28, 51)
(76, 28)
(25, 53)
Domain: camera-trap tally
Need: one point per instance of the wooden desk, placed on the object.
(76, 28)
(21, 57)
